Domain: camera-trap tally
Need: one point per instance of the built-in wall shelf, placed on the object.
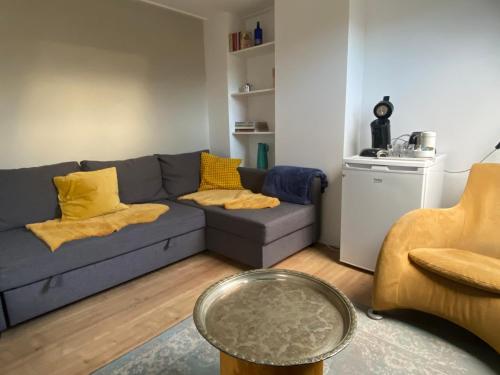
(261, 49)
(254, 92)
(253, 133)
(255, 66)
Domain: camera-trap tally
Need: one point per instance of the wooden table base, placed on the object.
(233, 366)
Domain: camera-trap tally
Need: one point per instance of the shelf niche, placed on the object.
(253, 133)
(253, 92)
(252, 65)
(259, 50)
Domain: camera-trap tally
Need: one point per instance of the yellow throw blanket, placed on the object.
(232, 199)
(56, 232)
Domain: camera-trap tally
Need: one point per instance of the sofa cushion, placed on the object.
(465, 267)
(83, 195)
(139, 179)
(181, 172)
(261, 226)
(28, 195)
(25, 259)
(219, 173)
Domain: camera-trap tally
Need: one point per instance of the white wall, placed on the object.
(99, 80)
(355, 76)
(223, 74)
(440, 62)
(311, 66)
(216, 30)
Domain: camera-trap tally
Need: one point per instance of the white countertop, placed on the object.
(406, 162)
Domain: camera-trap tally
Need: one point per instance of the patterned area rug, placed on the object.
(402, 343)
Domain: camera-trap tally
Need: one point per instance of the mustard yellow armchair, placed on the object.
(446, 262)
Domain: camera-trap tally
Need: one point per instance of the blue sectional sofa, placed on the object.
(34, 280)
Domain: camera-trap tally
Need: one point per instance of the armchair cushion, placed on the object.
(465, 267)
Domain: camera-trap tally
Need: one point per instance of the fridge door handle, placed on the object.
(367, 167)
(358, 166)
(382, 168)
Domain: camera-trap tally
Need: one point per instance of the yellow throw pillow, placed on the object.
(83, 195)
(219, 173)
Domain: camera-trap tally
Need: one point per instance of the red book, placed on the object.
(235, 46)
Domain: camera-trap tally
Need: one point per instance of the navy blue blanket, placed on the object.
(292, 184)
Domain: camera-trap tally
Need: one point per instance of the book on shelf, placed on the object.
(234, 42)
(240, 40)
(250, 126)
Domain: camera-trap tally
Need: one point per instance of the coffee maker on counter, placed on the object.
(381, 129)
(421, 144)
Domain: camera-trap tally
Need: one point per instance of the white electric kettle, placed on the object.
(424, 144)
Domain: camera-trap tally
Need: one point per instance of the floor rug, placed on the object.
(402, 343)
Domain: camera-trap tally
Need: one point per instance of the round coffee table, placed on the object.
(273, 321)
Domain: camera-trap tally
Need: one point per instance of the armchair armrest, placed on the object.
(422, 228)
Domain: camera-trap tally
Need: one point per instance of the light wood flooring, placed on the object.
(86, 335)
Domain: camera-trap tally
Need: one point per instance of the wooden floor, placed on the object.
(84, 336)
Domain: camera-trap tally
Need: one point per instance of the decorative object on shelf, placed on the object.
(250, 126)
(262, 161)
(247, 87)
(246, 40)
(257, 35)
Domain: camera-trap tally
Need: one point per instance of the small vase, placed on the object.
(262, 150)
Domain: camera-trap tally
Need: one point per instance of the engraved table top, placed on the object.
(275, 317)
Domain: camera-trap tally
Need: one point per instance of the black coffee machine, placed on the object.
(381, 129)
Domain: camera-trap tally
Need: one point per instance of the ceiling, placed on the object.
(205, 8)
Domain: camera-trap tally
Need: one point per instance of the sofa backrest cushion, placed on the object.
(28, 195)
(252, 178)
(139, 179)
(181, 172)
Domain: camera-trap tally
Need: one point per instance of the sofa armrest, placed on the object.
(253, 179)
(316, 197)
(422, 228)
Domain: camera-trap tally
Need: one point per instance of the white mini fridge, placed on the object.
(376, 193)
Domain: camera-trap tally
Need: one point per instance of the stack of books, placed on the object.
(250, 126)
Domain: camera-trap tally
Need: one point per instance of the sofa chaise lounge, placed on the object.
(34, 281)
